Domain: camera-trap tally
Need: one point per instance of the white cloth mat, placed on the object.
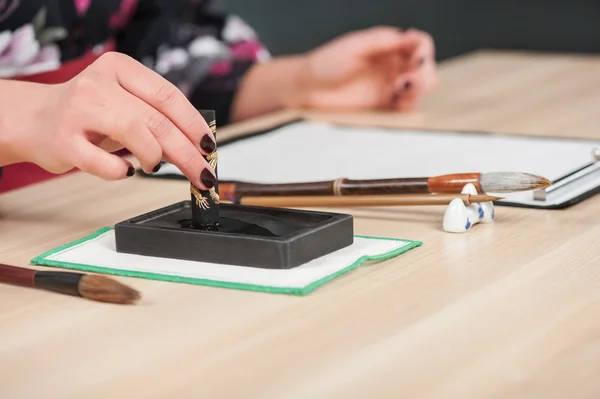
(97, 253)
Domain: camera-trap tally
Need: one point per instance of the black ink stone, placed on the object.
(271, 238)
(204, 229)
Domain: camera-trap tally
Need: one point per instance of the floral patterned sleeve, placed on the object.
(205, 53)
(202, 51)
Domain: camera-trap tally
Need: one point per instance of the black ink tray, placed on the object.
(263, 237)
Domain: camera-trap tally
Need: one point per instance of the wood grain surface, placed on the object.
(508, 310)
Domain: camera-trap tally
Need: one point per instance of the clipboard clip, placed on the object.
(591, 170)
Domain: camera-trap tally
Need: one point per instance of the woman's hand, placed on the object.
(377, 68)
(115, 103)
(382, 68)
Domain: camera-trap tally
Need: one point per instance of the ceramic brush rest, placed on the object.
(204, 229)
(460, 218)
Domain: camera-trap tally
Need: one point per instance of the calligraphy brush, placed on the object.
(95, 288)
(364, 200)
(496, 182)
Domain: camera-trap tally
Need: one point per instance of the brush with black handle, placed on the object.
(89, 286)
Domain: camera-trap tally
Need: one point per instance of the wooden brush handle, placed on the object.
(17, 275)
(362, 200)
(57, 281)
(97, 288)
(230, 191)
(453, 183)
(415, 185)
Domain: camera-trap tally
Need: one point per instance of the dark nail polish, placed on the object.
(407, 85)
(156, 168)
(207, 178)
(207, 144)
(130, 171)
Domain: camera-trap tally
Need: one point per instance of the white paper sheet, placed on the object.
(314, 151)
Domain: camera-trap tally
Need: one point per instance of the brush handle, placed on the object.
(411, 185)
(445, 184)
(17, 275)
(362, 200)
(62, 282)
(231, 191)
(450, 184)
(454, 183)
(96, 288)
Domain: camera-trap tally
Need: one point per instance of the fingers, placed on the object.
(417, 81)
(423, 73)
(409, 88)
(93, 160)
(152, 104)
(150, 136)
(179, 128)
(419, 72)
(179, 149)
(383, 39)
(423, 51)
(412, 44)
(121, 118)
(163, 96)
(408, 51)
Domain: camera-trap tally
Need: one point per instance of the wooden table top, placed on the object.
(507, 311)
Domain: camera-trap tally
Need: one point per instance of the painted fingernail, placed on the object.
(207, 178)
(207, 144)
(130, 171)
(156, 168)
(407, 85)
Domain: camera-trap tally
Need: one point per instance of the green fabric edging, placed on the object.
(43, 261)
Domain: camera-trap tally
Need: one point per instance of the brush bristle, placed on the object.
(503, 182)
(104, 289)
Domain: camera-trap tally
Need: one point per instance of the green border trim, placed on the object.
(42, 260)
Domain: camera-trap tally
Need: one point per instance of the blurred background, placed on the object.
(458, 26)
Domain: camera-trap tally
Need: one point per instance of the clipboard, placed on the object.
(303, 150)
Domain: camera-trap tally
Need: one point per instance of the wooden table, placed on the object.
(507, 311)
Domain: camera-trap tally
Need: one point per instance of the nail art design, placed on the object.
(207, 144)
